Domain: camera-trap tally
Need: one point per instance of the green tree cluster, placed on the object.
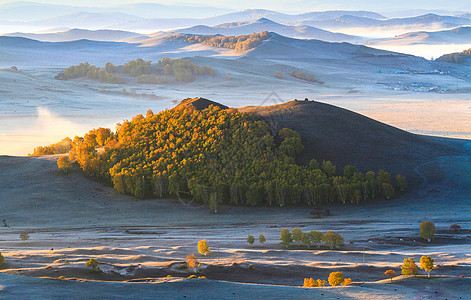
(89, 71)
(217, 154)
(238, 43)
(330, 239)
(183, 69)
(58, 148)
(137, 67)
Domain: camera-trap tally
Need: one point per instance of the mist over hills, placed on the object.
(459, 35)
(78, 34)
(263, 24)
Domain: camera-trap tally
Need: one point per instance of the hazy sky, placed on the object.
(290, 5)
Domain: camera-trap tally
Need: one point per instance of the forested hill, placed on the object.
(220, 155)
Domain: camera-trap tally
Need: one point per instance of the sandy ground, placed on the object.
(70, 218)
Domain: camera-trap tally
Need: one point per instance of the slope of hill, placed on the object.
(345, 137)
(78, 34)
(460, 35)
(263, 24)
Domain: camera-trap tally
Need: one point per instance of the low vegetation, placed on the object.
(218, 155)
(238, 43)
(58, 148)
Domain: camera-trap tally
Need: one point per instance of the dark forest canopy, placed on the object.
(219, 155)
(456, 58)
(238, 43)
(181, 70)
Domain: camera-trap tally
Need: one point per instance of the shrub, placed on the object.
(203, 248)
(262, 239)
(93, 265)
(426, 263)
(455, 227)
(286, 237)
(2, 258)
(191, 261)
(279, 75)
(336, 278)
(250, 239)
(192, 276)
(64, 164)
(427, 231)
(346, 281)
(409, 267)
(24, 236)
(390, 274)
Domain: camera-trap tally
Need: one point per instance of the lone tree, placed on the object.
(2, 258)
(24, 236)
(390, 274)
(409, 267)
(191, 261)
(203, 248)
(426, 263)
(336, 278)
(286, 237)
(427, 231)
(250, 239)
(262, 239)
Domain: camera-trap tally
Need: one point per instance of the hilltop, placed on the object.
(345, 137)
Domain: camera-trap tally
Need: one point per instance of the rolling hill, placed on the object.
(263, 24)
(78, 34)
(418, 22)
(459, 35)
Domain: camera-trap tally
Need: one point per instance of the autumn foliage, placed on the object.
(216, 154)
(203, 247)
(238, 43)
(390, 274)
